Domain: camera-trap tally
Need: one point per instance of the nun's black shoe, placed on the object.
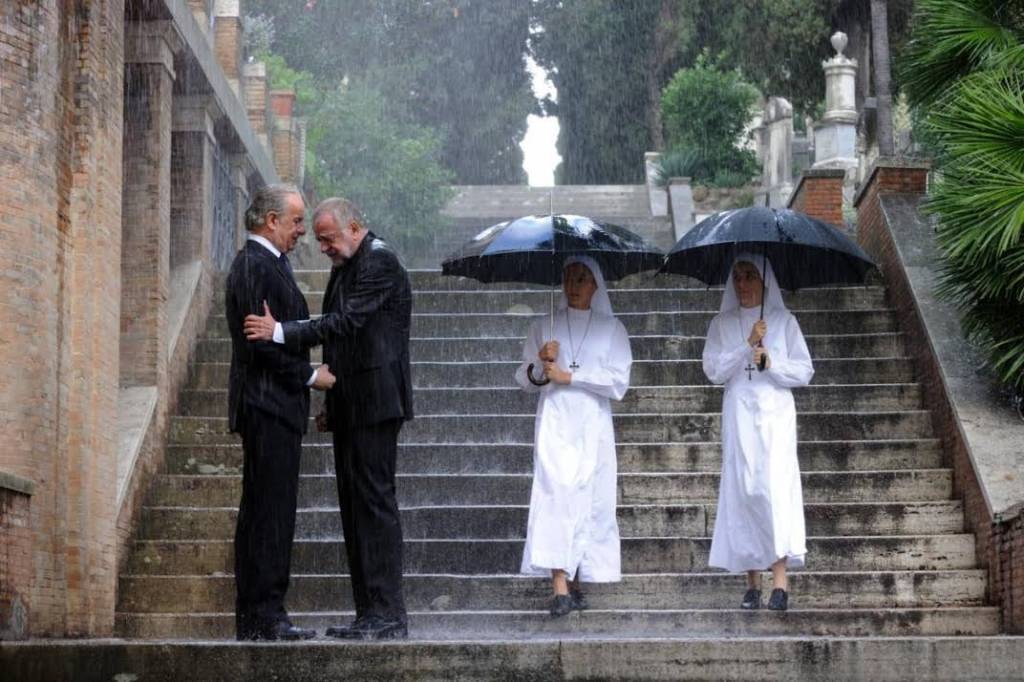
(561, 605)
(579, 600)
(751, 600)
(779, 601)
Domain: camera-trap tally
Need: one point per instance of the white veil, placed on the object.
(772, 293)
(600, 303)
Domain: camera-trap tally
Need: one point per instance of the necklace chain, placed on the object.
(568, 323)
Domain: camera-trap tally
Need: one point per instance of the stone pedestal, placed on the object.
(680, 196)
(657, 194)
(835, 135)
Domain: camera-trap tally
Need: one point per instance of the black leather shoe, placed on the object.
(579, 600)
(286, 632)
(371, 628)
(779, 601)
(751, 600)
(561, 605)
(339, 631)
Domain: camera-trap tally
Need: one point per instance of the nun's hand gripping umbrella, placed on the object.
(533, 249)
(803, 251)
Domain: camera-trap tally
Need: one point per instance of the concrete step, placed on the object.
(683, 323)
(898, 370)
(639, 555)
(629, 428)
(504, 624)
(467, 522)
(808, 590)
(644, 348)
(459, 301)
(654, 399)
(314, 280)
(485, 458)
(568, 654)
(477, 489)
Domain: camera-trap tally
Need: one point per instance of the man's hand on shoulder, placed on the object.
(260, 327)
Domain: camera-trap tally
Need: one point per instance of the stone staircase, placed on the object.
(888, 555)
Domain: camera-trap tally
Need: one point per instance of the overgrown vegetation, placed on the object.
(705, 111)
(963, 72)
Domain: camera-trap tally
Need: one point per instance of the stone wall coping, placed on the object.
(905, 163)
(198, 44)
(992, 431)
(9, 481)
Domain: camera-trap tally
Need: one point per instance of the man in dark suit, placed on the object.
(268, 405)
(365, 334)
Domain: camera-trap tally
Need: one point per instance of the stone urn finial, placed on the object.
(839, 41)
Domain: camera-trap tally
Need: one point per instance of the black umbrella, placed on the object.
(534, 248)
(803, 251)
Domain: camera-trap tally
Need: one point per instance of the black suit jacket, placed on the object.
(265, 377)
(365, 334)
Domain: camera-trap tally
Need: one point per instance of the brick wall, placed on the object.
(60, 216)
(15, 562)
(998, 546)
(819, 194)
(1006, 568)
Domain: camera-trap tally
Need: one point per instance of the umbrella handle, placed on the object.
(763, 361)
(535, 382)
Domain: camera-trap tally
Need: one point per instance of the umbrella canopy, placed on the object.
(803, 251)
(532, 249)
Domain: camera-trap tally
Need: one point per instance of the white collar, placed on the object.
(265, 243)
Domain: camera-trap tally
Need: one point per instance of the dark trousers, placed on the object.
(364, 459)
(266, 522)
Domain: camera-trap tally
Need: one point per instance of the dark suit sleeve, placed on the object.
(379, 272)
(293, 369)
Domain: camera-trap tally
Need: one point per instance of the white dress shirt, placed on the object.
(278, 331)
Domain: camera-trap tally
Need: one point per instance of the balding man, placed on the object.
(365, 334)
(268, 405)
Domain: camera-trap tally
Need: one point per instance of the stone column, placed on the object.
(282, 103)
(257, 102)
(192, 149)
(146, 209)
(227, 40)
(657, 194)
(681, 206)
(777, 165)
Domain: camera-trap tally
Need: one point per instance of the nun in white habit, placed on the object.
(760, 520)
(572, 532)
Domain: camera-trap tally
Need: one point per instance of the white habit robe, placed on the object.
(572, 524)
(760, 515)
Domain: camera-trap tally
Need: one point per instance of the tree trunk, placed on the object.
(666, 39)
(880, 49)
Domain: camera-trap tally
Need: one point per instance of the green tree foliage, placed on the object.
(597, 55)
(390, 169)
(962, 70)
(456, 66)
(704, 111)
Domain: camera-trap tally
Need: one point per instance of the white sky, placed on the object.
(539, 153)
